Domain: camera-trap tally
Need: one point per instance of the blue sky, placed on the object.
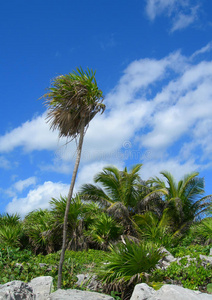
(153, 63)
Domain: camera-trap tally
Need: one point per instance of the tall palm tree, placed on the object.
(72, 101)
(183, 199)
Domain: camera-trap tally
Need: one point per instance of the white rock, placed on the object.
(167, 292)
(206, 259)
(77, 295)
(142, 291)
(42, 286)
(16, 290)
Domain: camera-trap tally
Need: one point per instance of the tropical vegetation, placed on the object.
(115, 228)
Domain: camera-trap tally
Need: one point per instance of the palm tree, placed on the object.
(203, 230)
(11, 230)
(74, 222)
(72, 101)
(39, 227)
(119, 193)
(103, 230)
(152, 228)
(183, 199)
(127, 265)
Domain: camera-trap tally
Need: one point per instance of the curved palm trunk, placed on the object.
(65, 225)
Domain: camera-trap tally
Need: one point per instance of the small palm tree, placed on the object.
(151, 228)
(39, 227)
(127, 264)
(183, 199)
(117, 192)
(74, 222)
(73, 100)
(11, 230)
(203, 230)
(103, 230)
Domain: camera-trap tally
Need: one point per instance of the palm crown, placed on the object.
(73, 99)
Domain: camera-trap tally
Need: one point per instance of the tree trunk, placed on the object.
(79, 150)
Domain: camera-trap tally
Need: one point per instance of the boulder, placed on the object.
(42, 287)
(16, 290)
(210, 252)
(167, 292)
(166, 260)
(77, 295)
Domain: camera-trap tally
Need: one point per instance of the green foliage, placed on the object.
(209, 288)
(103, 230)
(28, 265)
(151, 228)
(204, 230)
(130, 259)
(184, 199)
(118, 186)
(38, 226)
(11, 230)
(192, 275)
(192, 250)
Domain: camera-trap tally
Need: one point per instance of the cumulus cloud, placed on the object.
(181, 12)
(184, 110)
(37, 198)
(162, 107)
(31, 135)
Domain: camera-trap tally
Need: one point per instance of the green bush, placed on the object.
(28, 265)
(191, 275)
(192, 250)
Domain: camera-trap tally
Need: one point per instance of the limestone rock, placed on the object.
(167, 292)
(42, 287)
(16, 290)
(142, 291)
(166, 260)
(78, 295)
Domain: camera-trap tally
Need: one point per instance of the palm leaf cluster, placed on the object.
(73, 99)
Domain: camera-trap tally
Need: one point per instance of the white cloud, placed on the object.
(204, 49)
(183, 20)
(23, 184)
(37, 198)
(31, 135)
(177, 168)
(185, 101)
(182, 12)
(157, 7)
